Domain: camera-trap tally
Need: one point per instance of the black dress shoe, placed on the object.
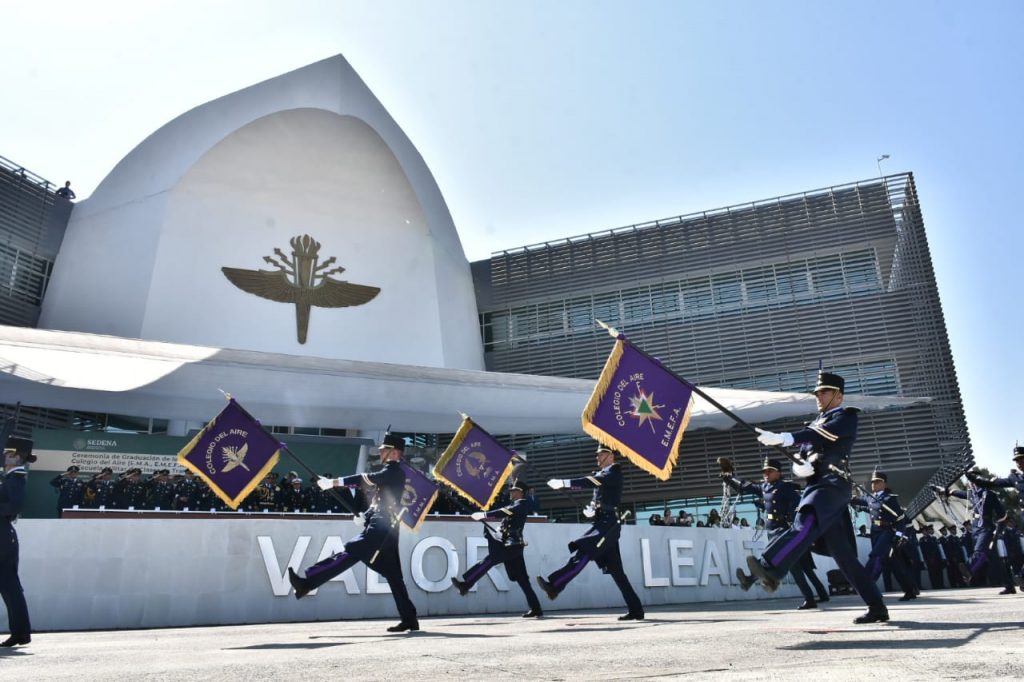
(462, 586)
(410, 625)
(1009, 590)
(808, 604)
(907, 596)
(533, 613)
(632, 615)
(15, 640)
(965, 573)
(746, 582)
(298, 584)
(548, 588)
(758, 570)
(875, 614)
(822, 598)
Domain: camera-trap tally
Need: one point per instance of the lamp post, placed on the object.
(879, 161)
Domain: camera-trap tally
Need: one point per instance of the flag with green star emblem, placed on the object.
(639, 408)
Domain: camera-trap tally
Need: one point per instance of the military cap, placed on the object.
(879, 476)
(605, 448)
(518, 485)
(73, 468)
(23, 446)
(392, 441)
(1018, 452)
(827, 380)
(106, 470)
(296, 480)
(771, 463)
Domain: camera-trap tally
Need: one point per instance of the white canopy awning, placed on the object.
(93, 373)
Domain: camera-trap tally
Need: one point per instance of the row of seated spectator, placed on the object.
(686, 520)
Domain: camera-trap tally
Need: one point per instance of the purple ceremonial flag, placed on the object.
(639, 408)
(418, 496)
(232, 454)
(475, 465)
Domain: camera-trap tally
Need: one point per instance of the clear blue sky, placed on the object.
(544, 119)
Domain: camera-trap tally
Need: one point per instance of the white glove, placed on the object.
(478, 516)
(589, 511)
(803, 469)
(557, 483)
(359, 520)
(770, 439)
(325, 483)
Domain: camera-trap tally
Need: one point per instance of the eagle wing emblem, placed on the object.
(234, 457)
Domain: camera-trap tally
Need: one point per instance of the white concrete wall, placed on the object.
(310, 152)
(106, 574)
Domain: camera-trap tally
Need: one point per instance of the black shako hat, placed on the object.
(22, 446)
(518, 485)
(828, 380)
(879, 476)
(1018, 452)
(770, 463)
(392, 441)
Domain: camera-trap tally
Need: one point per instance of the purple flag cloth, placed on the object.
(418, 496)
(640, 409)
(475, 465)
(232, 454)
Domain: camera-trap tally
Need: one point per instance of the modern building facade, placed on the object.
(203, 259)
(755, 296)
(32, 222)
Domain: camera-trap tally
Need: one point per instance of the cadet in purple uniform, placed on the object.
(600, 544)
(822, 513)
(377, 545)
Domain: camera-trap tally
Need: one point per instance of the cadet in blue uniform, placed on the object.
(70, 490)
(779, 500)
(932, 553)
(600, 544)
(507, 550)
(377, 545)
(822, 513)
(988, 511)
(17, 453)
(887, 532)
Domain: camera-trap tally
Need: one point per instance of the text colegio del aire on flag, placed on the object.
(639, 408)
(475, 465)
(232, 453)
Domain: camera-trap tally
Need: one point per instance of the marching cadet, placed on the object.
(507, 550)
(988, 512)
(377, 545)
(70, 490)
(779, 499)
(1014, 480)
(933, 560)
(887, 532)
(600, 544)
(99, 491)
(950, 547)
(825, 447)
(17, 453)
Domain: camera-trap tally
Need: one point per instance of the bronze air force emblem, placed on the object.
(301, 280)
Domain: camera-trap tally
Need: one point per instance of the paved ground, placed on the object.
(964, 634)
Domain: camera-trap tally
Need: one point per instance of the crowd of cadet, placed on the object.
(180, 492)
(164, 491)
